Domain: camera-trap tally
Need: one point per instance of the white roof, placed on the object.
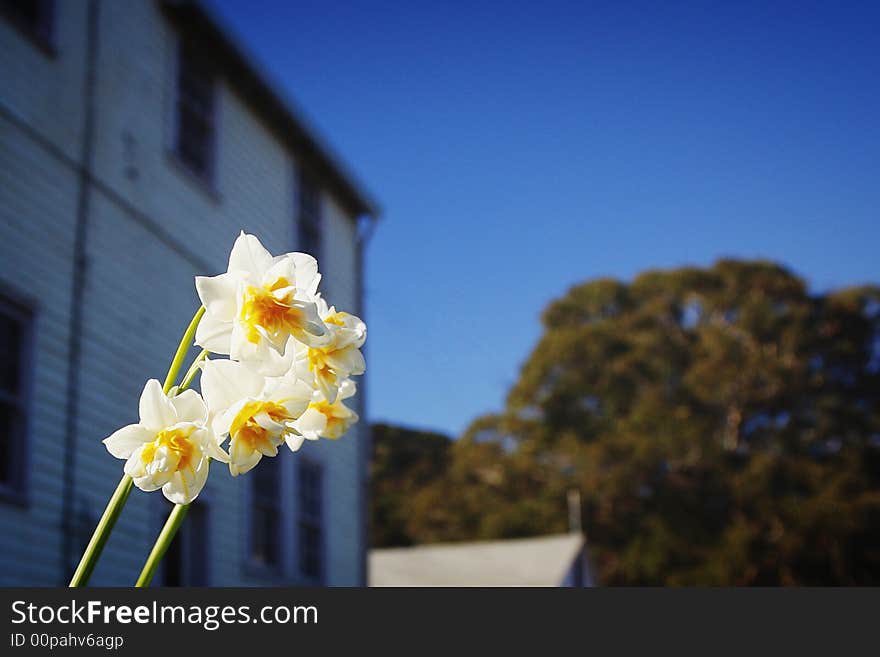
(542, 561)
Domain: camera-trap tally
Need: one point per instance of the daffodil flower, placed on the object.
(323, 419)
(256, 412)
(337, 357)
(259, 302)
(171, 447)
(326, 365)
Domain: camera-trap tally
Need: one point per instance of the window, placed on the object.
(186, 562)
(15, 348)
(33, 17)
(194, 142)
(265, 533)
(309, 216)
(311, 504)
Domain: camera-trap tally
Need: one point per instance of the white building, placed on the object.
(136, 139)
(554, 560)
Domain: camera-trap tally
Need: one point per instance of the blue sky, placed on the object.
(520, 148)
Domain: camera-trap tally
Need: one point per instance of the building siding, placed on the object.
(37, 198)
(152, 226)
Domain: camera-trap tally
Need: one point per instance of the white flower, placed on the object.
(170, 447)
(257, 413)
(323, 419)
(337, 357)
(326, 365)
(259, 302)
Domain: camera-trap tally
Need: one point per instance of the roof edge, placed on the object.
(580, 537)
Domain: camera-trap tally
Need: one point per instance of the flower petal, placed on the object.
(282, 267)
(328, 387)
(186, 484)
(346, 360)
(214, 334)
(244, 463)
(293, 395)
(123, 442)
(267, 449)
(264, 420)
(312, 323)
(155, 409)
(249, 255)
(225, 382)
(218, 294)
(274, 364)
(221, 422)
(294, 441)
(307, 276)
(190, 407)
(211, 445)
(323, 309)
(311, 424)
(242, 349)
(135, 468)
(347, 389)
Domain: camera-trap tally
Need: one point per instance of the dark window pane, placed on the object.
(310, 519)
(310, 240)
(258, 535)
(14, 327)
(196, 545)
(270, 531)
(310, 549)
(174, 561)
(309, 197)
(264, 535)
(309, 216)
(195, 111)
(267, 480)
(27, 12)
(186, 561)
(34, 16)
(196, 90)
(194, 141)
(7, 422)
(310, 490)
(10, 353)
(265, 514)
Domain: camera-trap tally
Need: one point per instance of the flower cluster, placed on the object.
(290, 360)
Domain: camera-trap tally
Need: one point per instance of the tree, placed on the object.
(722, 424)
(403, 462)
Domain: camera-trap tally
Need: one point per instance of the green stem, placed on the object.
(192, 371)
(185, 343)
(175, 518)
(102, 533)
(120, 496)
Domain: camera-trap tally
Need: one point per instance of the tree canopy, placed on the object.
(722, 425)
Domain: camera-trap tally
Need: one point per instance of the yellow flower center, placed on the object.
(263, 308)
(317, 355)
(322, 407)
(174, 440)
(318, 363)
(336, 426)
(336, 319)
(246, 429)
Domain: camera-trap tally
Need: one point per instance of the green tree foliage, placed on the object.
(722, 425)
(403, 463)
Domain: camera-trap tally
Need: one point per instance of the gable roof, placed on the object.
(245, 76)
(542, 561)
